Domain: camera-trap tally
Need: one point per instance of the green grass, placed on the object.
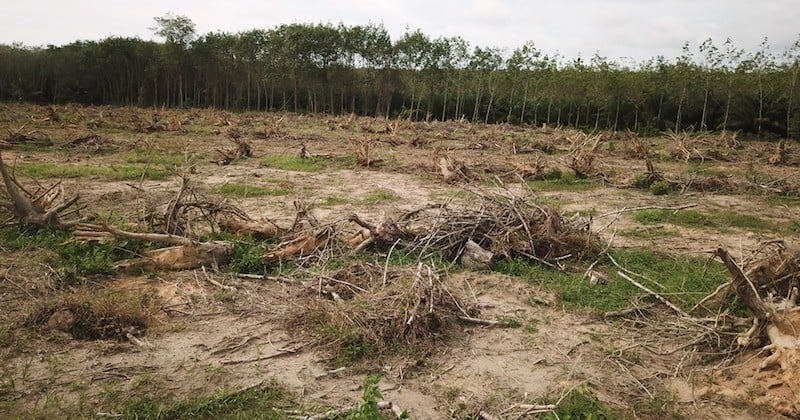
(563, 182)
(297, 164)
(165, 158)
(332, 201)
(125, 172)
(14, 239)
(686, 280)
(380, 196)
(237, 190)
(265, 402)
(715, 219)
(582, 404)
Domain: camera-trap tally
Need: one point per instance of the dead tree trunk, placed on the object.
(184, 255)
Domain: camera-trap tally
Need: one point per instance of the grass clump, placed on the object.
(247, 190)
(715, 219)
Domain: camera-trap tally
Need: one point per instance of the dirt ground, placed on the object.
(204, 339)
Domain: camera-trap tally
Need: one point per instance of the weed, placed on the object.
(247, 190)
(582, 404)
(509, 321)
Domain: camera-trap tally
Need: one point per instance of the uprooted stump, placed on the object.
(185, 254)
(39, 207)
(409, 307)
(776, 323)
(240, 149)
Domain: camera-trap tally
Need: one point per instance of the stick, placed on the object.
(654, 294)
(271, 278)
(487, 322)
(257, 359)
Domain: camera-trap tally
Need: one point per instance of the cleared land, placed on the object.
(337, 251)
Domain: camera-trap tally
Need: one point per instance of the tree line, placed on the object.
(338, 69)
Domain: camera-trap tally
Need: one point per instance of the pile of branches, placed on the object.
(506, 226)
(405, 306)
(27, 137)
(496, 226)
(90, 142)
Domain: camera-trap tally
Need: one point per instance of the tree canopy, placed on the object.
(338, 69)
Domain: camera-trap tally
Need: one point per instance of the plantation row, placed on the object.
(358, 69)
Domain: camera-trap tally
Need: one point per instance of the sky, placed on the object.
(626, 31)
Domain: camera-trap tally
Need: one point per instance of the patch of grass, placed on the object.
(582, 404)
(127, 172)
(155, 157)
(297, 164)
(257, 403)
(247, 190)
(564, 182)
(782, 200)
(380, 196)
(685, 280)
(714, 219)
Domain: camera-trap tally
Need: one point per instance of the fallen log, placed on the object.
(185, 253)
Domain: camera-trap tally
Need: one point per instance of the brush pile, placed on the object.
(402, 306)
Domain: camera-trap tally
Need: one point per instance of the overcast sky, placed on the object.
(634, 29)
